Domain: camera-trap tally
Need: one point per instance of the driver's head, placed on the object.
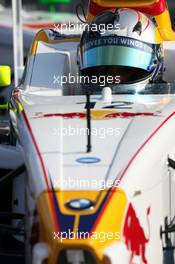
(123, 43)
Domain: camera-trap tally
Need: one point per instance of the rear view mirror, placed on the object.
(5, 76)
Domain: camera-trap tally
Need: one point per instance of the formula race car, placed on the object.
(92, 165)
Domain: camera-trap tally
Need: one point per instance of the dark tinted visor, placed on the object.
(115, 75)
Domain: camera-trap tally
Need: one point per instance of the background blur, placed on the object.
(68, 6)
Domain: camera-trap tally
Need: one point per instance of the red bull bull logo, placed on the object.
(134, 235)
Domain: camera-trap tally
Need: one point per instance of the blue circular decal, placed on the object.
(88, 160)
(79, 204)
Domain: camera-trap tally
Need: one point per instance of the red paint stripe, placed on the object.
(44, 172)
(124, 9)
(139, 16)
(95, 9)
(153, 10)
(127, 167)
(103, 116)
(42, 25)
(148, 23)
(37, 150)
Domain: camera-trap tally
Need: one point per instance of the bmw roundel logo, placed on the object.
(88, 160)
(79, 204)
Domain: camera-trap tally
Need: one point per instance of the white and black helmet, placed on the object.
(125, 42)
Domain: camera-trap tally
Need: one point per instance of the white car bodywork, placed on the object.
(135, 157)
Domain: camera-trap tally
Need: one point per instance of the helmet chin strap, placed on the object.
(157, 73)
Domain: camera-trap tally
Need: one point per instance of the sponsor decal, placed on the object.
(88, 160)
(128, 114)
(80, 204)
(119, 41)
(134, 235)
(98, 115)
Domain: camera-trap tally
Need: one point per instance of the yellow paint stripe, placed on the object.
(42, 36)
(126, 3)
(165, 27)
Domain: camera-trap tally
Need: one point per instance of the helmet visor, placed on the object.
(114, 75)
(125, 57)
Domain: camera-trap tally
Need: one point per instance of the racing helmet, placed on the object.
(123, 44)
